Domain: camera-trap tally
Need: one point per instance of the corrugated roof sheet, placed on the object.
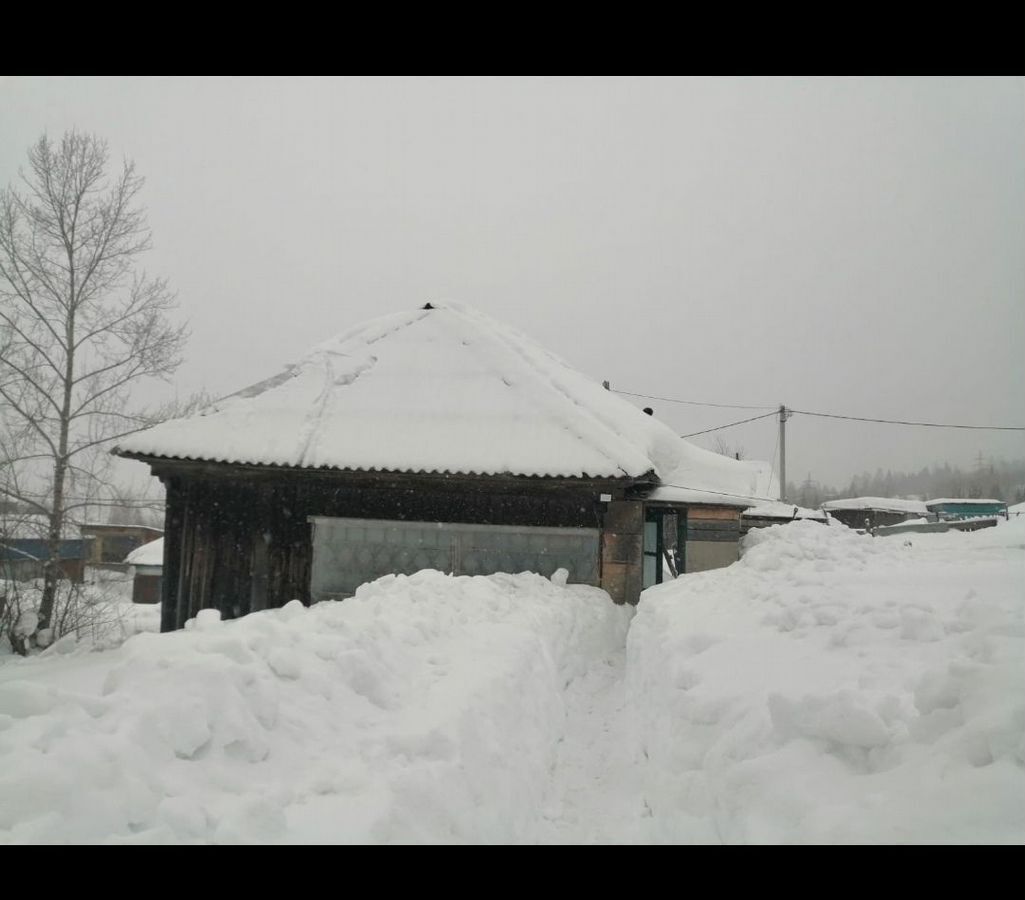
(444, 389)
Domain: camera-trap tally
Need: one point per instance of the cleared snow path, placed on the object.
(594, 793)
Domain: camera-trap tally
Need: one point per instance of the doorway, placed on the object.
(665, 531)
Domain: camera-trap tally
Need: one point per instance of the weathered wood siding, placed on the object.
(240, 541)
(713, 537)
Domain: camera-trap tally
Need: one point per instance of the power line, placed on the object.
(805, 412)
(691, 402)
(730, 425)
(687, 487)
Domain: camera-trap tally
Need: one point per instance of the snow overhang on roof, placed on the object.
(32, 525)
(779, 510)
(151, 554)
(440, 389)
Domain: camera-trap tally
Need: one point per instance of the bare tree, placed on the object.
(723, 446)
(81, 324)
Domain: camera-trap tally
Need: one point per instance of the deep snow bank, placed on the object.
(426, 708)
(832, 687)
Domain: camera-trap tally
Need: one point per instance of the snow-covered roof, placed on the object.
(887, 504)
(439, 389)
(764, 476)
(701, 476)
(151, 554)
(32, 525)
(9, 551)
(775, 509)
(946, 500)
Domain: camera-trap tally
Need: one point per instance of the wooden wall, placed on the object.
(713, 537)
(239, 541)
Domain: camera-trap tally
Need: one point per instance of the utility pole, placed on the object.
(783, 416)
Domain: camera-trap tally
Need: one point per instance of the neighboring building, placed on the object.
(147, 567)
(871, 512)
(951, 509)
(434, 438)
(24, 548)
(776, 512)
(22, 559)
(112, 542)
(17, 564)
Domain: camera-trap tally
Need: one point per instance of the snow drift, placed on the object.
(832, 687)
(426, 708)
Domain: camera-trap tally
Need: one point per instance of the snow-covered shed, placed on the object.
(871, 512)
(776, 512)
(432, 438)
(147, 567)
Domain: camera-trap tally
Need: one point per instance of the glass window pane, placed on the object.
(650, 536)
(649, 571)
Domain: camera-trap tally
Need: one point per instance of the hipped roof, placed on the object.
(439, 389)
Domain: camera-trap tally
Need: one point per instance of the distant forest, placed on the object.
(998, 480)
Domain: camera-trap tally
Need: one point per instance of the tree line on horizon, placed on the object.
(992, 479)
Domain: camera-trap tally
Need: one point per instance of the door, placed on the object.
(665, 532)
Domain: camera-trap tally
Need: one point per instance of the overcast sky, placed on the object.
(854, 246)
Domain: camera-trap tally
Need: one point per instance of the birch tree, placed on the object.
(81, 324)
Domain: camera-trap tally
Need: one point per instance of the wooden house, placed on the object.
(25, 548)
(24, 559)
(435, 438)
(112, 542)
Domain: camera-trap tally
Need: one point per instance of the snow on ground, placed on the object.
(595, 793)
(829, 687)
(834, 687)
(423, 709)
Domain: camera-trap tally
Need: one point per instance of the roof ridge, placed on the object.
(333, 345)
(492, 332)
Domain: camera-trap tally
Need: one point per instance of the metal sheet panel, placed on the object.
(350, 552)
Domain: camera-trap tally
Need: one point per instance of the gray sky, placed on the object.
(839, 245)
